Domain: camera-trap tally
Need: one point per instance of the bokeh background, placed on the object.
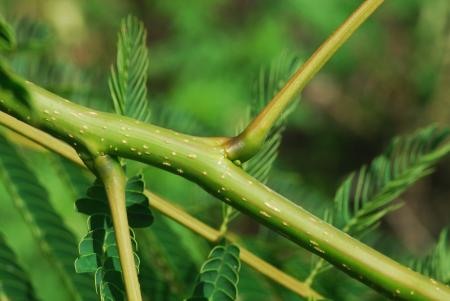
(391, 78)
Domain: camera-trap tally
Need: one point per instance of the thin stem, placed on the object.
(113, 177)
(246, 144)
(165, 207)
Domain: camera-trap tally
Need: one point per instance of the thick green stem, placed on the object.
(246, 144)
(166, 208)
(208, 166)
(113, 177)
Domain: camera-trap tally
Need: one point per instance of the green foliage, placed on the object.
(32, 35)
(172, 252)
(14, 281)
(7, 37)
(367, 195)
(55, 240)
(98, 249)
(437, 263)
(219, 275)
(96, 202)
(11, 85)
(266, 86)
(253, 286)
(129, 76)
(206, 73)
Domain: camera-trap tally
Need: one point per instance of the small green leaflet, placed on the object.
(219, 275)
(267, 85)
(12, 86)
(269, 82)
(436, 264)
(98, 251)
(99, 255)
(14, 281)
(96, 202)
(7, 37)
(128, 81)
(367, 195)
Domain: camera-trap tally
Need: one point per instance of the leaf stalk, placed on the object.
(112, 175)
(248, 142)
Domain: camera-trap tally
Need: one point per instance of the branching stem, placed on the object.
(247, 143)
(111, 173)
(212, 167)
(166, 208)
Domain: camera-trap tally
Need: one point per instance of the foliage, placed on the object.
(167, 262)
(437, 263)
(369, 194)
(55, 240)
(219, 275)
(7, 37)
(129, 76)
(98, 248)
(366, 196)
(14, 281)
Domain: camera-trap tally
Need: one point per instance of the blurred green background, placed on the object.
(391, 78)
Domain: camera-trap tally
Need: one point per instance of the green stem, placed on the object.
(207, 165)
(247, 143)
(166, 208)
(113, 177)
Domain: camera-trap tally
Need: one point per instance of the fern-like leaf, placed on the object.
(267, 85)
(367, 195)
(128, 81)
(219, 275)
(56, 241)
(436, 264)
(14, 281)
(98, 249)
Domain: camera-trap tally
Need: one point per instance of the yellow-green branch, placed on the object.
(111, 173)
(212, 167)
(247, 143)
(165, 207)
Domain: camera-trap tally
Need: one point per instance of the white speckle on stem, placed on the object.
(319, 250)
(313, 242)
(264, 213)
(272, 207)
